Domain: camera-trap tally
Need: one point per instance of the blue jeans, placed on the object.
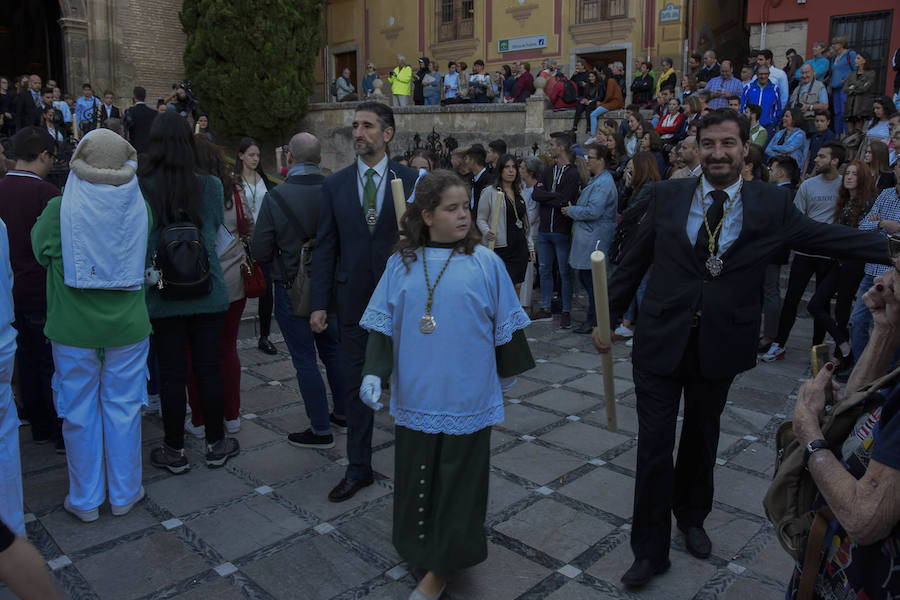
(635, 306)
(302, 343)
(839, 98)
(861, 319)
(432, 100)
(555, 246)
(595, 114)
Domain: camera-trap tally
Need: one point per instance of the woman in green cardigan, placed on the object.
(176, 193)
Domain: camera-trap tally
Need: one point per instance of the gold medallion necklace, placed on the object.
(715, 264)
(427, 324)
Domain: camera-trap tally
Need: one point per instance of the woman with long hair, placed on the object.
(641, 170)
(877, 159)
(253, 186)
(858, 87)
(670, 123)
(652, 143)
(177, 193)
(632, 139)
(210, 161)
(879, 128)
(512, 241)
(754, 165)
(792, 139)
(444, 306)
(855, 198)
(688, 87)
(591, 94)
(509, 83)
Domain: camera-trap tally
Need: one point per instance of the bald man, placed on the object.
(689, 152)
(285, 232)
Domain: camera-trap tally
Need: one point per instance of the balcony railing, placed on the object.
(591, 11)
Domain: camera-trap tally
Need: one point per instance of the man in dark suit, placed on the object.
(476, 159)
(138, 120)
(356, 234)
(709, 240)
(107, 110)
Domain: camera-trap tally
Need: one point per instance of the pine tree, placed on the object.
(252, 62)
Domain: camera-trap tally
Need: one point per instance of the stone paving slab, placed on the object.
(559, 505)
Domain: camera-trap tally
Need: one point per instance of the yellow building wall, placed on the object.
(380, 29)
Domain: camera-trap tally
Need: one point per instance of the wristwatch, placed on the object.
(812, 447)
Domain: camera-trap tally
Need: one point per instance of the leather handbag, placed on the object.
(252, 273)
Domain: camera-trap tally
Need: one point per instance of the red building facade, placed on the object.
(870, 25)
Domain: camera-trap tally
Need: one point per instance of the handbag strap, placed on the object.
(239, 209)
(291, 217)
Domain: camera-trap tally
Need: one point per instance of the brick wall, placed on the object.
(780, 37)
(150, 44)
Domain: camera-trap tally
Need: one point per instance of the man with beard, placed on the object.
(356, 235)
(709, 241)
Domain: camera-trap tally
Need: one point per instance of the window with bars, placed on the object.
(871, 33)
(591, 11)
(456, 20)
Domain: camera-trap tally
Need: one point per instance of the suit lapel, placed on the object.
(349, 196)
(684, 212)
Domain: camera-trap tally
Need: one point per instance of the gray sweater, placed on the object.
(816, 198)
(276, 242)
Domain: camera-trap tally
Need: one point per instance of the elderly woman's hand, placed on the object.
(811, 403)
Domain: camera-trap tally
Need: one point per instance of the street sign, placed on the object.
(670, 14)
(528, 42)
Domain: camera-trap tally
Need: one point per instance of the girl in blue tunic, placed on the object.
(446, 327)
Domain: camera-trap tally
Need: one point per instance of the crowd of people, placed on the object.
(141, 266)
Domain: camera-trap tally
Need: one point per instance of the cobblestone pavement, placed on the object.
(560, 499)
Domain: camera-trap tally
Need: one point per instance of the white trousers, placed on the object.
(10, 465)
(99, 394)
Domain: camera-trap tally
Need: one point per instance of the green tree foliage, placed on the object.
(252, 61)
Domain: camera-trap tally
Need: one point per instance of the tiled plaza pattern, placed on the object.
(560, 500)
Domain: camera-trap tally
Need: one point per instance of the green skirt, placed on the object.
(440, 498)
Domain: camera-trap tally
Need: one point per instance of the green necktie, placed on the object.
(369, 200)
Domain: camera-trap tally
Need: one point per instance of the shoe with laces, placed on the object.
(169, 458)
(775, 352)
(218, 454)
(542, 316)
(565, 321)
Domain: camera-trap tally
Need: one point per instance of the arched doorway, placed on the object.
(31, 40)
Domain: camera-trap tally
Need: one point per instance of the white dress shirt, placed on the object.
(378, 178)
(732, 221)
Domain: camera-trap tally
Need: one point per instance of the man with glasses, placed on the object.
(767, 96)
(24, 194)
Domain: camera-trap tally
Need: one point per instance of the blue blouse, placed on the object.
(794, 145)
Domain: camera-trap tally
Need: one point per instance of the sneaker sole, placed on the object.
(773, 358)
(220, 462)
(301, 445)
(172, 469)
(121, 511)
(85, 516)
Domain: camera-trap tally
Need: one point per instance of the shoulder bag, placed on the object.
(254, 280)
(299, 290)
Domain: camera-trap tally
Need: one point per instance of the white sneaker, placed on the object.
(121, 511)
(153, 405)
(87, 516)
(775, 352)
(630, 342)
(194, 430)
(233, 426)
(623, 332)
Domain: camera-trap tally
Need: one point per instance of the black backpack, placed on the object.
(570, 93)
(182, 261)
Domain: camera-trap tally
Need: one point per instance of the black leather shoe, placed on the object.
(585, 327)
(347, 488)
(697, 541)
(643, 570)
(266, 346)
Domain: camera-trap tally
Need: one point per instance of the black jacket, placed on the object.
(730, 304)
(349, 260)
(114, 113)
(276, 242)
(137, 122)
(552, 220)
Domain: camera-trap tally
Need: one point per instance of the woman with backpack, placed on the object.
(232, 259)
(187, 298)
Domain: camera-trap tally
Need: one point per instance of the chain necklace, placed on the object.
(427, 323)
(252, 187)
(714, 264)
(512, 200)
